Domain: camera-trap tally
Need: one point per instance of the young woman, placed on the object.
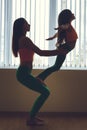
(66, 40)
(23, 46)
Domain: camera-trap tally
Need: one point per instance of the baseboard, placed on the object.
(4, 113)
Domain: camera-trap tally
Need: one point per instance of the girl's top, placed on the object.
(26, 55)
(70, 34)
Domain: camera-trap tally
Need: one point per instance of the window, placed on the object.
(42, 15)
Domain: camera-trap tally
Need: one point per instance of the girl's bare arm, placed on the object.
(54, 36)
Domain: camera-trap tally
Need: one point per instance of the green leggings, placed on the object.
(25, 77)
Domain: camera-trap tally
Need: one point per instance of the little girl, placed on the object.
(66, 40)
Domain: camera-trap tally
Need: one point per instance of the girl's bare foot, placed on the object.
(40, 80)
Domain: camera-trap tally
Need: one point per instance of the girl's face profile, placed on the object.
(72, 17)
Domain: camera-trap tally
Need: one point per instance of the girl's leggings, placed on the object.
(24, 76)
(59, 61)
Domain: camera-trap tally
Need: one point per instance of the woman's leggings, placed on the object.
(24, 76)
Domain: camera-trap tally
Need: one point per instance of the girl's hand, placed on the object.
(50, 38)
(57, 44)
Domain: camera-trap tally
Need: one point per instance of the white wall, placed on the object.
(68, 92)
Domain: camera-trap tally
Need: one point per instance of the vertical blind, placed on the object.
(42, 16)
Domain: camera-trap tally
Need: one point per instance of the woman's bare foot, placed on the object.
(39, 119)
(35, 121)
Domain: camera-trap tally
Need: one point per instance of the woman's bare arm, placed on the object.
(30, 45)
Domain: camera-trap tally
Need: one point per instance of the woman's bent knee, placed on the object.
(46, 92)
